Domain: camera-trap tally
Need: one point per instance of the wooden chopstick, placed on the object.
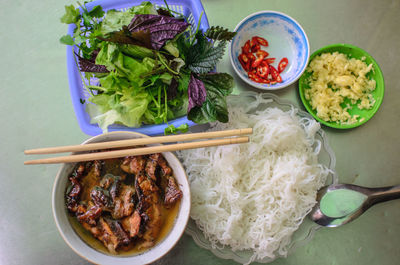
(139, 141)
(138, 151)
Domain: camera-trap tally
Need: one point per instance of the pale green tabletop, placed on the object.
(36, 111)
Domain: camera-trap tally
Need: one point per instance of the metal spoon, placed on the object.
(373, 196)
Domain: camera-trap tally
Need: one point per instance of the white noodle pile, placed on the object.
(254, 196)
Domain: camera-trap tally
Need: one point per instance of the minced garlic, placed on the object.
(334, 78)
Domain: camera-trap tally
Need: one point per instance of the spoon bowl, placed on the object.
(339, 204)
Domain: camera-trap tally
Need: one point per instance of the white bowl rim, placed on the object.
(254, 84)
(117, 259)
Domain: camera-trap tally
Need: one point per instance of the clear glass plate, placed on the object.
(307, 229)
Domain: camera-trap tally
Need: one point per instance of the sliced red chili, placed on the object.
(275, 74)
(269, 60)
(244, 61)
(253, 41)
(264, 63)
(258, 67)
(279, 78)
(282, 64)
(241, 62)
(257, 62)
(262, 52)
(246, 47)
(253, 76)
(261, 41)
(251, 57)
(255, 48)
(263, 71)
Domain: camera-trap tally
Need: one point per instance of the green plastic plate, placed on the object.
(352, 52)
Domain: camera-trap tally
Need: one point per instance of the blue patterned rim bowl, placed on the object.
(286, 38)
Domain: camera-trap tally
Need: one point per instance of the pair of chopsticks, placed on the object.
(141, 150)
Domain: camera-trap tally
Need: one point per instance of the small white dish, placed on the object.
(81, 248)
(286, 38)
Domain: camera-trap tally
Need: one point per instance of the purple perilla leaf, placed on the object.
(89, 65)
(196, 92)
(161, 28)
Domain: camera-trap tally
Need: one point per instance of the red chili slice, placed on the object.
(246, 47)
(262, 52)
(265, 81)
(251, 57)
(257, 62)
(244, 61)
(269, 60)
(261, 41)
(255, 48)
(275, 74)
(282, 64)
(279, 78)
(253, 41)
(253, 76)
(263, 71)
(264, 63)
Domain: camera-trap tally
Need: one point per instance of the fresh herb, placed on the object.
(218, 86)
(171, 129)
(205, 54)
(219, 33)
(196, 92)
(144, 66)
(161, 28)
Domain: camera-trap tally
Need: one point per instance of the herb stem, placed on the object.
(154, 100)
(166, 65)
(166, 105)
(197, 29)
(159, 101)
(80, 74)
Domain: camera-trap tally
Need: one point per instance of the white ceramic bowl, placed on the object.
(286, 38)
(83, 249)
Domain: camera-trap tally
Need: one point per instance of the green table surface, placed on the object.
(36, 111)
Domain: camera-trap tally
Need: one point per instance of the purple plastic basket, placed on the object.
(191, 9)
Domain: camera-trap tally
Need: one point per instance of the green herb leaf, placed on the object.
(203, 57)
(67, 40)
(204, 114)
(97, 11)
(222, 81)
(71, 15)
(171, 129)
(218, 86)
(86, 19)
(219, 33)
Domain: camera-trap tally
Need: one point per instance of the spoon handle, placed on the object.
(383, 194)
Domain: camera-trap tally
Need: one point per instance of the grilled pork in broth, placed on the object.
(123, 202)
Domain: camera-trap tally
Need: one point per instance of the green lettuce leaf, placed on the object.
(114, 19)
(128, 109)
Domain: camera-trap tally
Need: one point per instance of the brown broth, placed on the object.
(169, 217)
